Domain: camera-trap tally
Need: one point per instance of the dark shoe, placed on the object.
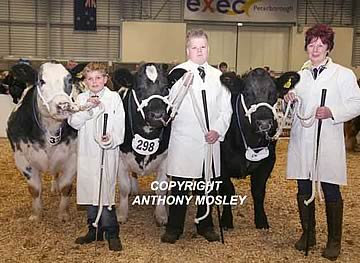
(307, 213)
(209, 235)
(115, 244)
(90, 237)
(170, 237)
(334, 216)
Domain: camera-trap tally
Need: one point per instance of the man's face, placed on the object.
(198, 50)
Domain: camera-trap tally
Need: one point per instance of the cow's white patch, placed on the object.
(151, 73)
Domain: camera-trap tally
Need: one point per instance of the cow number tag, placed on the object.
(144, 146)
(253, 156)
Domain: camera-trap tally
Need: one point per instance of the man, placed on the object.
(223, 67)
(190, 141)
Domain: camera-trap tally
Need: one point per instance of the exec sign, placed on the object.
(241, 10)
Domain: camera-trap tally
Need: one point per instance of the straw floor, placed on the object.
(53, 241)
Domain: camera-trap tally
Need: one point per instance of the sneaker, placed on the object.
(209, 234)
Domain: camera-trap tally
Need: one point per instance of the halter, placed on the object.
(254, 107)
(46, 102)
(251, 154)
(133, 94)
(52, 139)
(144, 103)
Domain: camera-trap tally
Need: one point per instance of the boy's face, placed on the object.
(95, 81)
(198, 50)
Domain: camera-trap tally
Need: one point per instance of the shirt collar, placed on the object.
(194, 66)
(99, 94)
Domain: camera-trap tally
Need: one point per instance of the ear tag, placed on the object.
(287, 85)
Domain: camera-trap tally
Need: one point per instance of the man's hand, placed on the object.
(211, 137)
(323, 113)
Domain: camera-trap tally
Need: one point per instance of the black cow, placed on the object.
(249, 148)
(41, 138)
(147, 135)
(17, 80)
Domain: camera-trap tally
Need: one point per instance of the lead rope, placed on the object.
(308, 121)
(208, 156)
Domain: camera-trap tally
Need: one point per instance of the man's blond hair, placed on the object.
(195, 33)
(95, 66)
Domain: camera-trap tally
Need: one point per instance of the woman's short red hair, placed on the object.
(322, 31)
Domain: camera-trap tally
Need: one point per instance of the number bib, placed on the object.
(144, 146)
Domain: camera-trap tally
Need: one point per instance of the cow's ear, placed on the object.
(123, 78)
(233, 82)
(77, 71)
(175, 75)
(286, 82)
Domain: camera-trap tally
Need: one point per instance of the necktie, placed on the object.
(315, 72)
(202, 72)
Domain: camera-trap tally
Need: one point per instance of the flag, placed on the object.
(85, 15)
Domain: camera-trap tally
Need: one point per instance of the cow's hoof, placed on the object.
(264, 225)
(160, 221)
(54, 186)
(64, 217)
(35, 218)
(121, 218)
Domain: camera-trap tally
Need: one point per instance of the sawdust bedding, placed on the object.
(53, 241)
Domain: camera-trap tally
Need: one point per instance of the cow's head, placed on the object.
(257, 93)
(149, 89)
(54, 89)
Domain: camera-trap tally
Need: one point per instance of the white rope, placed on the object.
(177, 98)
(308, 121)
(208, 156)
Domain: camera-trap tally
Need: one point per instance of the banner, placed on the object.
(264, 11)
(85, 15)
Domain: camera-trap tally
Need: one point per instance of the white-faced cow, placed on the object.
(41, 138)
(249, 145)
(146, 139)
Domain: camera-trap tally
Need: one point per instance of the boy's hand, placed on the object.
(94, 100)
(212, 136)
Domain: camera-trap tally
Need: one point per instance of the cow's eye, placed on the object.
(42, 82)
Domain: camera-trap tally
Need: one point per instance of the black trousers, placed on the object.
(108, 220)
(331, 191)
(177, 212)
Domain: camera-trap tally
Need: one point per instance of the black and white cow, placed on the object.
(17, 80)
(249, 145)
(147, 135)
(41, 138)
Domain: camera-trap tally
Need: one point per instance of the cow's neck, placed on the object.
(44, 120)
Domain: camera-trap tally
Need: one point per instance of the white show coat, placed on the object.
(89, 150)
(187, 146)
(343, 99)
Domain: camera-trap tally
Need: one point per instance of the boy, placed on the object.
(91, 146)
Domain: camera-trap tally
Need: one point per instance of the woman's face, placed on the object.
(317, 51)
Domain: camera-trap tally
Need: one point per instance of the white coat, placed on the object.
(90, 151)
(343, 99)
(187, 146)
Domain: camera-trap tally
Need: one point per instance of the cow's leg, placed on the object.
(161, 215)
(32, 176)
(258, 188)
(125, 189)
(227, 189)
(134, 184)
(65, 186)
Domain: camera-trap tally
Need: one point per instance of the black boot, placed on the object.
(307, 213)
(90, 236)
(113, 238)
(209, 234)
(334, 216)
(170, 236)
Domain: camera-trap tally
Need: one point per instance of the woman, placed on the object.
(342, 104)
